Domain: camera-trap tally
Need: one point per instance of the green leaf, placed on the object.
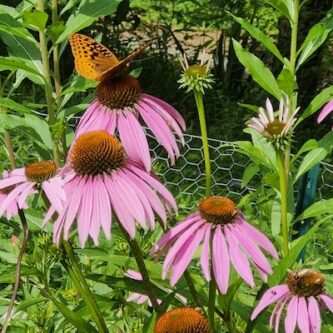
(13, 64)
(249, 173)
(9, 104)
(259, 36)
(317, 209)
(321, 99)
(24, 47)
(286, 81)
(55, 30)
(87, 14)
(276, 217)
(283, 7)
(250, 107)
(310, 159)
(136, 72)
(35, 20)
(29, 302)
(315, 38)
(259, 72)
(307, 146)
(280, 271)
(150, 323)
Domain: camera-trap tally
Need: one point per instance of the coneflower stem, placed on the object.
(192, 289)
(202, 119)
(143, 270)
(211, 303)
(9, 147)
(283, 198)
(48, 85)
(18, 270)
(293, 44)
(81, 284)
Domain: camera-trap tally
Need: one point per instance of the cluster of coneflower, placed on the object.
(108, 177)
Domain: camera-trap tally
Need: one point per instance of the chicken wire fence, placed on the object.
(186, 179)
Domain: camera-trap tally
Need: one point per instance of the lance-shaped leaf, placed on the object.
(259, 72)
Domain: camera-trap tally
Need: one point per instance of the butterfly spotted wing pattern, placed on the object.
(95, 61)
(92, 60)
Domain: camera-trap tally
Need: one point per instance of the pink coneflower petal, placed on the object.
(253, 251)
(204, 258)
(29, 189)
(131, 132)
(314, 315)
(291, 317)
(279, 313)
(221, 263)
(327, 109)
(7, 182)
(167, 107)
(11, 196)
(238, 259)
(270, 297)
(184, 256)
(259, 238)
(55, 194)
(178, 245)
(269, 108)
(303, 316)
(328, 301)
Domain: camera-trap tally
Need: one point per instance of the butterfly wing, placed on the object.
(92, 60)
(122, 64)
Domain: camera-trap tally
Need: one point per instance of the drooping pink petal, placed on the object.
(238, 258)
(283, 302)
(176, 230)
(48, 216)
(104, 207)
(291, 317)
(168, 118)
(259, 238)
(84, 218)
(252, 250)
(221, 263)
(303, 315)
(25, 193)
(314, 315)
(270, 296)
(12, 180)
(155, 184)
(53, 195)
(205, 255)
(328, 301)
(167, 107)
(327, 109)
(184, 256)
(134, 139)
(96, 212)
(178, 245)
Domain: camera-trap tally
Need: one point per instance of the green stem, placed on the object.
(192, 289)
(201, 111)
(48, 85)
(18, 270)
(283, 193)
(293, 44)
(81, 284)
(211, 303)
(149, 288)
(10, 150)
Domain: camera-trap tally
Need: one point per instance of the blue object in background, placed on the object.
(305, 197)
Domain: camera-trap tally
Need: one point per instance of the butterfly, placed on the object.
(94, 61)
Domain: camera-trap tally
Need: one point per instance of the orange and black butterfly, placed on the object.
(94, 61)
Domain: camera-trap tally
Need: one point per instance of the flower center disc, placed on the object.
(96, 152)
(217, 210)
(195, 71)
(275, 127)
(40, 171)
(305, 282)
(183, 320)
(119, 92)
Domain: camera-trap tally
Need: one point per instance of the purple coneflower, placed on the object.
(278, 128)
(141, 298)
(302, 296)
(327, 109)
(101, 182)
(20, 183)
(225, 237)
(119, 105)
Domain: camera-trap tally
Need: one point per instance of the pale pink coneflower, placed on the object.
(327, 109)
(275, 128)
(119, 107)
(101, 183)
(303, 298)
(226, 238)
(141, 298)
(21, 183)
